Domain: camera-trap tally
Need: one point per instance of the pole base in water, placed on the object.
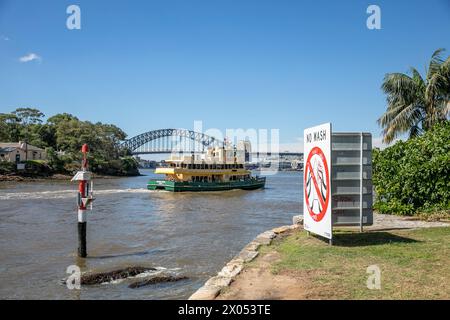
(82, 239)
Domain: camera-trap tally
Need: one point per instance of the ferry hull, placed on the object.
(205, 186)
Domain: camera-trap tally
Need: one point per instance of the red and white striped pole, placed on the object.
(84, 199)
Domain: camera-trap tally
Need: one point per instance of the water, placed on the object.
(192, 234)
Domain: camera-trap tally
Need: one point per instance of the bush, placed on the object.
(7, 167)
(126, 166)
(414, 176)
(37, 168)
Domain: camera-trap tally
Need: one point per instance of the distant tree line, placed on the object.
(62, 136)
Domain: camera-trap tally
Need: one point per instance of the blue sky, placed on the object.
(146, 65)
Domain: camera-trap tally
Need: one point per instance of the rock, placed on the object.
(205, 293)
(252, 246)
(218, 281)
(247, 255)
(102, 277)
(158, 279)
(265, 237)
(282, 229)
(231, 270)
(297, 220)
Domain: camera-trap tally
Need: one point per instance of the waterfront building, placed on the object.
(20, 151)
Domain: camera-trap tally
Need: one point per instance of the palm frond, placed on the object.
(415, 131)
(415, 104)
(400, 88)
(435, 62)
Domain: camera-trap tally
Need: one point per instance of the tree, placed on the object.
(414, 104)
(60, 117)
(65, 132)
(28, 116)
(9, 127)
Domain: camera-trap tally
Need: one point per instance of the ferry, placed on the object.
(220, 169)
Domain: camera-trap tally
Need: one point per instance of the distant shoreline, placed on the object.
(57, 176)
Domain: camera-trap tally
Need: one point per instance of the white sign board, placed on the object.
(317, 180)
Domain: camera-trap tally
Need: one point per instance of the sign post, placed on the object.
(317, 181)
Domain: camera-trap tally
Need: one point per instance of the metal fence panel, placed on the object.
(351, 155)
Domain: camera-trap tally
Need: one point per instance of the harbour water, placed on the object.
(191, 234)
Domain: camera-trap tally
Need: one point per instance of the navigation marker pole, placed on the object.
(85, 198)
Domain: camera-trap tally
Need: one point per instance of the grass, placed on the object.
(415, 264)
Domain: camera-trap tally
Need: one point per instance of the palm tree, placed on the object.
(415, 104)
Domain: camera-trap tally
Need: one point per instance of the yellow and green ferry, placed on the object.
(221, 168)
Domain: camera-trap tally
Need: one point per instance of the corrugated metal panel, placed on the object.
(351, 162)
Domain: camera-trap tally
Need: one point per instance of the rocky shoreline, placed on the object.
(212, 288)
(18, 178)
(56, 176)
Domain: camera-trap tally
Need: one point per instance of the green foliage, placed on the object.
(126, 166)
(62, 135)
(7, 167)
(9, 127)
(414, 176)
(415, 104)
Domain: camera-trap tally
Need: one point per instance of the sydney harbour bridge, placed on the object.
(179, 140)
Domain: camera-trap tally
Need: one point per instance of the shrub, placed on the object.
(414, 176)
(7, 167)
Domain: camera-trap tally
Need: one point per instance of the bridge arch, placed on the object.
(140, 140)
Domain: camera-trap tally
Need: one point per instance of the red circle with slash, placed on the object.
(318, 185)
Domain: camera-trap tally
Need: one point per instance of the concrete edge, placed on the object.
(214, 285)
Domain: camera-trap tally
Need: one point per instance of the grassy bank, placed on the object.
(415, 264)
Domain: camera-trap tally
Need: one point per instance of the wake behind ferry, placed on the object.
(221, 168)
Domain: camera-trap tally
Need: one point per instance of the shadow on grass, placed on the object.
(368, 239)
